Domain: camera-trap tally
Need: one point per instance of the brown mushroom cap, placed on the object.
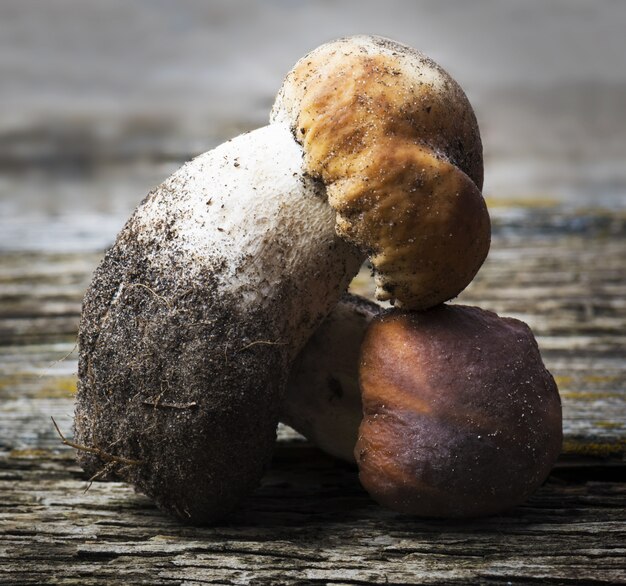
(394, 139)
(461, 418)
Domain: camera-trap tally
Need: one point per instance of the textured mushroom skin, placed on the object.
(394, 139)
(194, 316)
(461, 418)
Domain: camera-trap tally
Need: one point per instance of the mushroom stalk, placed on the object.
(323, 400)
(194, 316)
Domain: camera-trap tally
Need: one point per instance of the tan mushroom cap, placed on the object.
(394, 139)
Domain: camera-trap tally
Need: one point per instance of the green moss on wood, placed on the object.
(600, 449)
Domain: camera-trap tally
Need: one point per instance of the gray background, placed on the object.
(101, 100)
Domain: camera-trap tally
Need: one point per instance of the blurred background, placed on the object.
(99, 101)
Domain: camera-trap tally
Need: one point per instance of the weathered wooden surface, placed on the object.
(311, 522)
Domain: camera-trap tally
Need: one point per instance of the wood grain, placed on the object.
(310, 522)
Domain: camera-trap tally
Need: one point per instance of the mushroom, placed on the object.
(460, 418)
(194, 317)
(396, 143)
(323, 399)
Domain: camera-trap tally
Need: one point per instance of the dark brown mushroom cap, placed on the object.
(461, 418)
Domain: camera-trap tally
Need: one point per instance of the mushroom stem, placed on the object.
(194, 316)
(323, 400)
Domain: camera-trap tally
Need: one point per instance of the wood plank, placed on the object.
(309, 523)
(569, 290)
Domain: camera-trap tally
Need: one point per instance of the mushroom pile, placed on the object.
(219, 309)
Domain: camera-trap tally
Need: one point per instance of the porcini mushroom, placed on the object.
(460, 418)
(213, 286)
(193, 318)
(395, 140)
(323, 399)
